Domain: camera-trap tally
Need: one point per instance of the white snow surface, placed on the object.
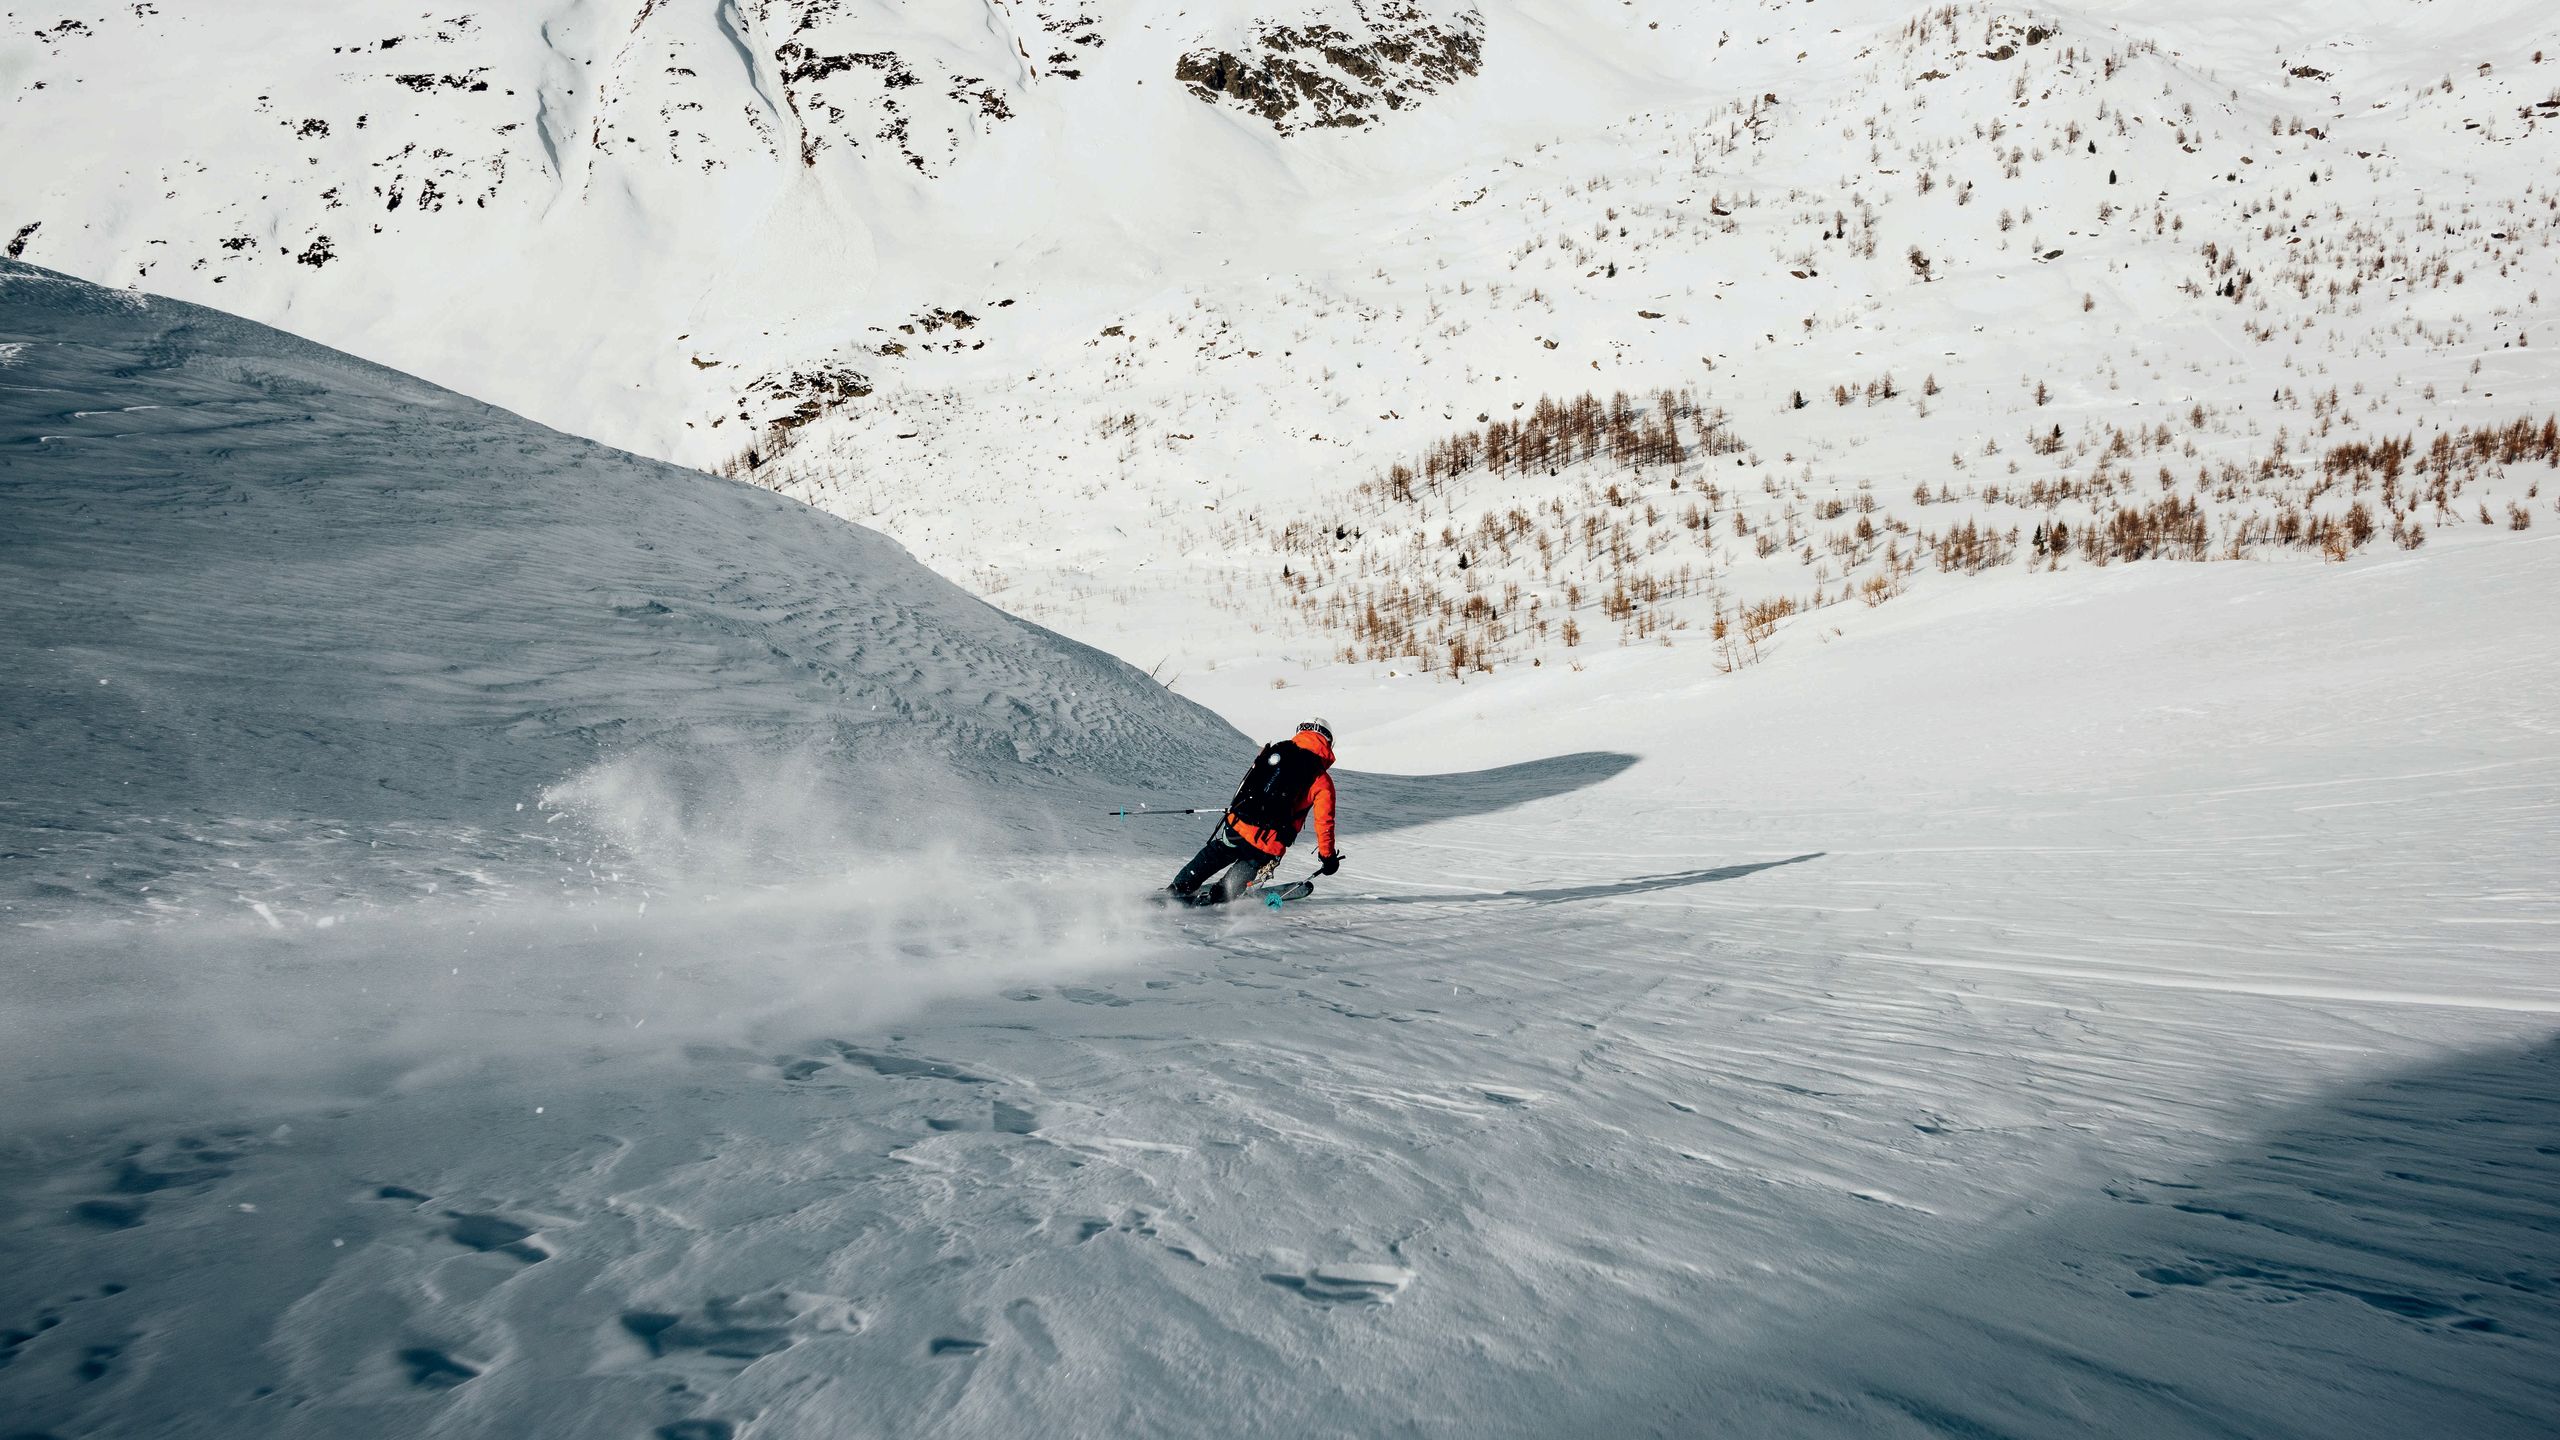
(503, 937)
(2118, 1000)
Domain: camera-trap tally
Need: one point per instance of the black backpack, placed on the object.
(1274, 793)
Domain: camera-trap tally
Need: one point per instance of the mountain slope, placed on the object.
(1922, 284)
(261, 583)
(641, 219)
(1919, 289)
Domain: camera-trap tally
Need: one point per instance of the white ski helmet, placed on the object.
(1318, 726)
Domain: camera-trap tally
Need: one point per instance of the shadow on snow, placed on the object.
(1641, 885)
(2382, 1262)
(1394, 802)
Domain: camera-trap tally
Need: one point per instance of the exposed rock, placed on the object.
(793, 399)
(1387, 55)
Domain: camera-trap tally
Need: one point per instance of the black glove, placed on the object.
(1331, 864)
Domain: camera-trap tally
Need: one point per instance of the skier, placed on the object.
(1286, 784)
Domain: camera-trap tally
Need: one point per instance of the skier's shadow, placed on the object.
(1641, 885)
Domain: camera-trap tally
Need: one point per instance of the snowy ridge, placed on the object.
(223, 539)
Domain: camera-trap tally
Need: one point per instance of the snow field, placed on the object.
(511, 939)
(2047, 1007)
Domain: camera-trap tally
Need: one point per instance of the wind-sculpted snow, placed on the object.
(2408, 1211)
(256, 584)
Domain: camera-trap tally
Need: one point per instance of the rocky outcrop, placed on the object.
(1385, 55)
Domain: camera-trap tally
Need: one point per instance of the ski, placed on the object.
(1272, 895)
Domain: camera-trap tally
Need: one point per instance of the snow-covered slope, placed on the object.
(2018, 992)
(2103, 1001)
(260, 587)
(644, 219)
(1914, 288)
(1109, 312)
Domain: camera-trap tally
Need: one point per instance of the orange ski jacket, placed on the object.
(1317, 807)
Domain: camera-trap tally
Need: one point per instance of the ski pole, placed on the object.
(1145, 814)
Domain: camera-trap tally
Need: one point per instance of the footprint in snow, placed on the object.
(95, 1360)
(1347, 1283)
(187, 1163)
(1152, 1224)
(110, 1214)
(1082, 996)
(431, 1369)
(1002, 1119)
(1024, 1317)
(739, 1330)
(903, 1067)
(496, 1234)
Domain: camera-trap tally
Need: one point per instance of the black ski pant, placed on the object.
(1225, 852)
